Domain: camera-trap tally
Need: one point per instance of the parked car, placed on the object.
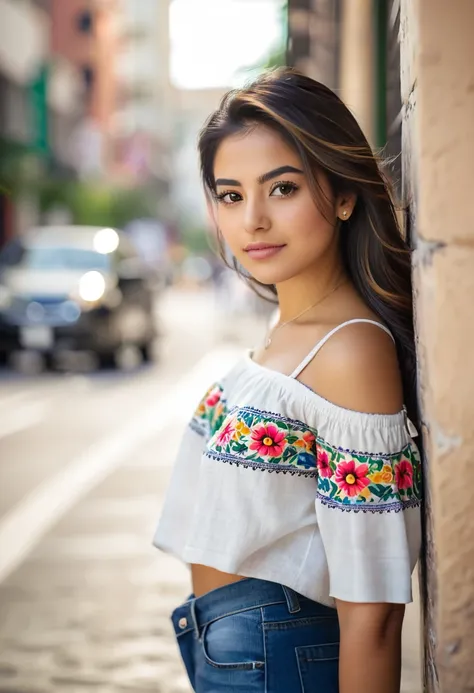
(75, 288)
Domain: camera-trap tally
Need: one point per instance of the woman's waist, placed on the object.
(205, 579)
(244, 595)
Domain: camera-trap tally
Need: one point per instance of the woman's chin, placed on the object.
(270, 277)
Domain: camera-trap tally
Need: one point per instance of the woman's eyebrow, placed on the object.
(278, 172)
(264, 178)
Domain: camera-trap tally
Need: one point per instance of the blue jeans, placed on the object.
(255, 636)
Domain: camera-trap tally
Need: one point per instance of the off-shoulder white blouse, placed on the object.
(273, 481)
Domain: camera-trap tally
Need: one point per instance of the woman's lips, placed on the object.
(263, 252)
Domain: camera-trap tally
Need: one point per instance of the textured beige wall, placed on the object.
(357, 62)
(438, 94)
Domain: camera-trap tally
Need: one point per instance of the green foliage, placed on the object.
(95, 204)
(196, 240)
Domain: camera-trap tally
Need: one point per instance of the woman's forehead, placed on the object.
(254, 151)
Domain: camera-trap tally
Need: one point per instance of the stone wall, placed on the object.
(438, 145)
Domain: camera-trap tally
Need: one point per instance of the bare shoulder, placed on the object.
(358, 369)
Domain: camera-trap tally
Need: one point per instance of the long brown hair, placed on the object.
(320, 128)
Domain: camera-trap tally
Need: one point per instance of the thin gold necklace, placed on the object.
(270, 334)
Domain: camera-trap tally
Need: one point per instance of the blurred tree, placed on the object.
(95, 204)
(196, 239)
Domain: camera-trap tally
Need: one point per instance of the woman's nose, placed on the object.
(256, 218)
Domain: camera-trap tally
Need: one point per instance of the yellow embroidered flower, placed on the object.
(365, 493)
(201, 410)
(387, 475)
(306, 441)
(383, 477)
(242, 428)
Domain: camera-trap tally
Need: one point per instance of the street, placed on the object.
(84, 597)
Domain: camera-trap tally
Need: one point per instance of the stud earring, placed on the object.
(344, 214)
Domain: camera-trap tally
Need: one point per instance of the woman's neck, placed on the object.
(305, 290)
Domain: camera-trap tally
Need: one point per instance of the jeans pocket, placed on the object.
(318, 667)
(235, 642)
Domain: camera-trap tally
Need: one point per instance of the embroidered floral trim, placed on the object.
(210, 413)
(347, 479)
(373, 483)
(265, 441)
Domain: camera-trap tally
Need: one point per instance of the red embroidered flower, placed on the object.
(404, 474)
(324, 467)
(351, 477)
(213, 397)
(268, 440)
(226, 434)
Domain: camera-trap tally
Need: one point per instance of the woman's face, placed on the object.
(265, 209)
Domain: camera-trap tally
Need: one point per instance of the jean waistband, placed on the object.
(246, 594)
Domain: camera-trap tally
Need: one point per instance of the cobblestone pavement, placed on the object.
(90, 608)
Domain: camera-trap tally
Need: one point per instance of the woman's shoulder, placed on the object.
(357, 368)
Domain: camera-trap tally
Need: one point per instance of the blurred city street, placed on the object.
(84, 597)
(85, 462)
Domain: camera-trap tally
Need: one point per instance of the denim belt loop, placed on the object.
(192, 608)
(292, 601)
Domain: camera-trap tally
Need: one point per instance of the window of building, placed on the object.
(85, 21)
(88, 76)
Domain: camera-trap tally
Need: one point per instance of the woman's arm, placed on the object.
(358, 370)
(370, 654)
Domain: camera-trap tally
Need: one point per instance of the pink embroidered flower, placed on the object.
(268, 440)
(226, 434)
(351, 477)
(404, 474)
(213, 397)
(324, 467)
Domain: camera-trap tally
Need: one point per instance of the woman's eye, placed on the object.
(229, 198)
(283, 189)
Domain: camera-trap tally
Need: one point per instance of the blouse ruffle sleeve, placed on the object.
(206, 419)
(368, 508)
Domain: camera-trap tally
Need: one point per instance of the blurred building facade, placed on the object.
(143, 122)
(192, 108)
(406, 70)
(84, 96)
(86, 34)
(40, 101)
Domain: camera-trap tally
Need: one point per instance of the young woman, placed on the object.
(296, 494)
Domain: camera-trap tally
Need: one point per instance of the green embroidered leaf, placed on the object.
(279, 424)
(239, 447)
(291, 439)
(323, 484)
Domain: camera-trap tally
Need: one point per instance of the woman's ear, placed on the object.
(345, 204)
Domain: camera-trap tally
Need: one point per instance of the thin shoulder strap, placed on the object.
(323, 341)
